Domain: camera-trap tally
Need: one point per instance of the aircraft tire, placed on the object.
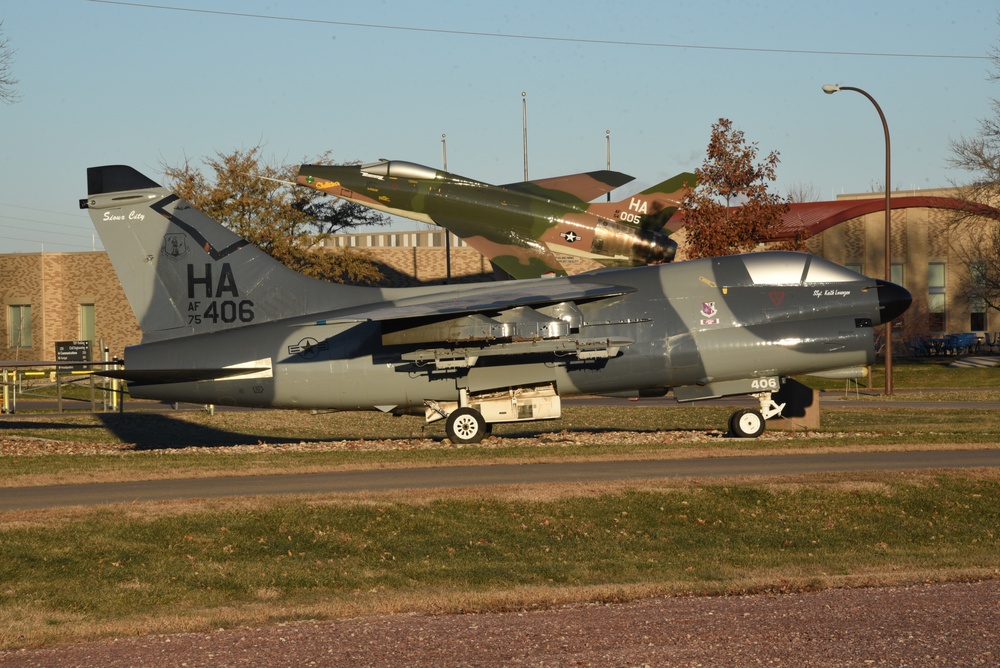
(746, 423)
(466, 425)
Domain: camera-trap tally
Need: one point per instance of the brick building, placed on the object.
(419, 257)
(50, 297)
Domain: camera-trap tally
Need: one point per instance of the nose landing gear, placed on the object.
(751, 422)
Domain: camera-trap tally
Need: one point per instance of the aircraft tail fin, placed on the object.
(184, 273)
(651, 208)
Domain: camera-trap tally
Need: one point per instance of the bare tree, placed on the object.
(803, 192)
(973, 243)
(8, 90)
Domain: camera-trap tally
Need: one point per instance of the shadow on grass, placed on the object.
(150, 431)
(28, 423)
(159, 431)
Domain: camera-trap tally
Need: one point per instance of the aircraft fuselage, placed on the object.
(496, 220)
(223, 323)
(725, 327)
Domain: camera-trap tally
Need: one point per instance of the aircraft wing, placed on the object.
(507, 248)
(455, 330)
(501, 298)
(413, 321)
(573, 188)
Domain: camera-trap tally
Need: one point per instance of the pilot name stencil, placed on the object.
(831, 293)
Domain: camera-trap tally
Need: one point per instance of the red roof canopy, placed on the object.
(810, 218)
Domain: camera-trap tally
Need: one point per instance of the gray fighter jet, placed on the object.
(223, 323)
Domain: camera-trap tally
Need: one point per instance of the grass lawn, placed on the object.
(74, 574)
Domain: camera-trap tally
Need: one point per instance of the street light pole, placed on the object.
(607, 138)
(447, 232)
(524, 126)
(830, 89)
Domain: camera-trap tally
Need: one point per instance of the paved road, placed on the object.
(24, 498)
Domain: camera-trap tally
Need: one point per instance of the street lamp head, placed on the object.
(830, 89)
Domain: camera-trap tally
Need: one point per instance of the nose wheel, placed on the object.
(746, 423)
(751, 422)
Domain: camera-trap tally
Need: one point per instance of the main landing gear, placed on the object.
(751, 422)
(471, 418)
(467, 425)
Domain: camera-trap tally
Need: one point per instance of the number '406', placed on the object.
(229, 311)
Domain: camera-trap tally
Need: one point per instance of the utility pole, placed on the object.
(524, 125)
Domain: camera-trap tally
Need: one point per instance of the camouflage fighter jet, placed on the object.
(518, 226)
(224, 323)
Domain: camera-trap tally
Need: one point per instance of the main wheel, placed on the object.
(466, 425)
(746, 423)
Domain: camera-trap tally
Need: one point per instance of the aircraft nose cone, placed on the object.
(667, 250)
(893, 300)
(662, 251)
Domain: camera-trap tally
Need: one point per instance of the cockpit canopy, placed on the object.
(787, 268)
(401, 169)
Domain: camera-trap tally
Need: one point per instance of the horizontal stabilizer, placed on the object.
(256, 369)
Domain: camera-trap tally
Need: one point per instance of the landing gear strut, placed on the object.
(751, 422)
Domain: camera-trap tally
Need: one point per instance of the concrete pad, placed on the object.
(973, 362)
(801, 410)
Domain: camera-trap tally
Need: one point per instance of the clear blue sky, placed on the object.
(111, 83)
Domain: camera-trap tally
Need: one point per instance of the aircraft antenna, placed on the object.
(447, 232)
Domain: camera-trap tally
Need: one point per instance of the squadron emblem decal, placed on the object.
(708, 312)
(175, 245)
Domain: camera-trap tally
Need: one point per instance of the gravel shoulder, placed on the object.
(953, 624)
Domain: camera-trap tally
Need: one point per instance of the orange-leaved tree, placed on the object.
(731, 210)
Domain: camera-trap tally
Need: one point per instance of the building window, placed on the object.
(19, 326)
(855, 267)
(87, 323)
(977, 316)
(936, 296)
(896, 274)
